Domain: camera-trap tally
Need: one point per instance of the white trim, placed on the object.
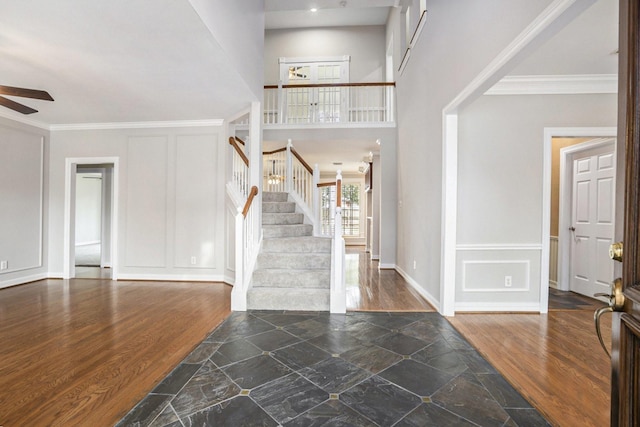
(418, 30)
(336, 125)
(312, 59)
(565, 205)
(174, 277)
(419, 289)
(386, 266)
(22, 280)
(555, 85)
(70, 169)
(563, 255)
(515, 48)
(482, 82)
(449, 214)
(7, 114)
(405, 61)
(501, 247)
(497, 307)
(526, 262)
(137, 125)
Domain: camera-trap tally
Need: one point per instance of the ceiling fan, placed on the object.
(24, 93)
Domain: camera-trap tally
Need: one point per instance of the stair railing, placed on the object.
(338, 298)
(246, 243)
(327, 104)
(285, 170)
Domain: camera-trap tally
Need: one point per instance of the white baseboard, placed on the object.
(23, 280)
(93, 242)
(172, 278)
(229, 280)
(419, 289)
(497, 307)
(386, 266)
(553, 284)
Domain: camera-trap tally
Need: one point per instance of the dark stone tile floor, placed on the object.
(266, 368)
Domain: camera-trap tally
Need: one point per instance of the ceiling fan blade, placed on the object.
(25, 93)
(16, 106)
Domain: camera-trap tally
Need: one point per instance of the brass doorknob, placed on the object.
(615, 251)
(616, 303)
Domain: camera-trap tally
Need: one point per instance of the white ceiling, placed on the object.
(115, 61)
(154, 60)
(330, 13)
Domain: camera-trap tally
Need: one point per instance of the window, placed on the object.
(351, 196)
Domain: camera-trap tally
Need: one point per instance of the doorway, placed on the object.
(592, 215)
(91, 187)
(93, 221)
(557, 206)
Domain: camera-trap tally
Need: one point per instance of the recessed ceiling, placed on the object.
(330, 13)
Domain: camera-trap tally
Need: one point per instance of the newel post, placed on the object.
(338, 299)
(316, 201)
(288, 186)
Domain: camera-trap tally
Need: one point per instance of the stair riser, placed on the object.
(288, 299)
(282, 218)
(291, 279)
(309, 261)
(277, 207)
(271, 231)
(274, 196)
(297, 244)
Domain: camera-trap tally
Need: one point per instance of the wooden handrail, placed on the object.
(338, 193)
(299, 157)
(239, 151)
(239, 140)
(332, 85)
(279, 150)
(326, 184)
(253, 193)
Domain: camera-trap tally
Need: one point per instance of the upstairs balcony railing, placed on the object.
(329, 104)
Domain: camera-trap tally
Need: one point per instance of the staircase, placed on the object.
(293, 269)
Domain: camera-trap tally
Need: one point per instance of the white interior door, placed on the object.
(593, 216)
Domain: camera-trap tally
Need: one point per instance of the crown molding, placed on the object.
(137, 125)
(23, 119)
(556, 85)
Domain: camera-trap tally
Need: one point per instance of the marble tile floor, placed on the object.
(268, 368)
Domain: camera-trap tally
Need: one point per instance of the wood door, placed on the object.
(593, 217)
(625, 361)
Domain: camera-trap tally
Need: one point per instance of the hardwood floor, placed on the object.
(371, 289)
(83, 352)
(553, 360)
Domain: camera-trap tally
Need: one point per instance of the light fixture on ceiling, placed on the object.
(273, 178)
(313, 9)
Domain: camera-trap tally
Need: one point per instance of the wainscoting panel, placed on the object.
(195, 201)
(498, 277)
(21, 210)
(146, 212)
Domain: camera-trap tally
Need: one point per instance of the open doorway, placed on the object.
(93, 221)
(581, 175)
(90, 218)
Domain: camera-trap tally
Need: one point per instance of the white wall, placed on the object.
(238, 27)
(88, 208)
(500, 187)
(23, 202)
(458, 41)
(171, 199)
(365, 45)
